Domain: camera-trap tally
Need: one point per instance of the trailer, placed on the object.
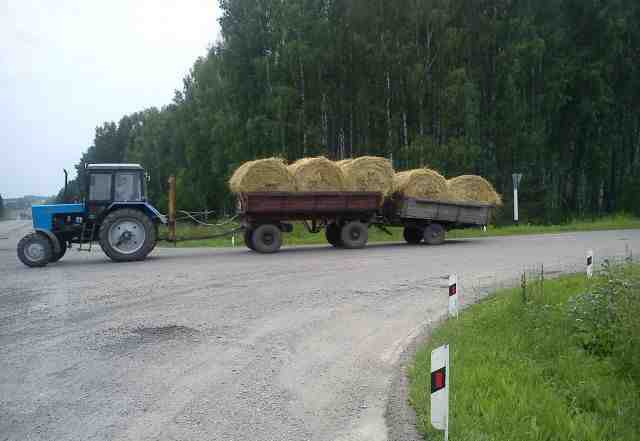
(429, 220)
(347, 216)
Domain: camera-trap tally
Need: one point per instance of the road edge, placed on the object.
(399, 416)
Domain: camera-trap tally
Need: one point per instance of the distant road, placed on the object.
(226, 344)
(11, 231)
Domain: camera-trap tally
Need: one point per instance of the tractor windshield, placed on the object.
(128, 187)
(100, 187)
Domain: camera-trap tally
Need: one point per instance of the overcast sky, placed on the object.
(69, 65)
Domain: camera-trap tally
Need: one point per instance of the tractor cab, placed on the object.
(112, 183)
(115, 213)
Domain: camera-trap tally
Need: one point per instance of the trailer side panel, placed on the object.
(467, 213)
(309, 205)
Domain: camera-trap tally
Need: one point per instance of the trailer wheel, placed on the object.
(354, 235)
(332, 232)
(267, 239)
(413, 235)
(63, 249)
(127, 235)
(434, 234)
(35, 250)
(248, 239)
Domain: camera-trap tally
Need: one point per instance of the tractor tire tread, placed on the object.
(48, 247)
(150, 235)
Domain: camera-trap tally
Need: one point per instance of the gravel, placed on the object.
(226, 344)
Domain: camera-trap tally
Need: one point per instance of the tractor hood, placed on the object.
(43, 214)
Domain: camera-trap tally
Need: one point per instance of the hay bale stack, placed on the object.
(421, 184)
(262, 175)
(472, 188)
(318, 174)
(368, 173)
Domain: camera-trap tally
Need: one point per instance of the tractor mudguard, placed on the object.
(55, 243)
(145, 207)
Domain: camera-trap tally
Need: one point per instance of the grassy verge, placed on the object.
(554, 367)
(301, 236)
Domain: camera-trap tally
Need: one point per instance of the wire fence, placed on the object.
(532, 278)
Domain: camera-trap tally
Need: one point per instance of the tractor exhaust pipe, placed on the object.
(66, 182)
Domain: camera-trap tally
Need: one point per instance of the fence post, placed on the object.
(542, 280)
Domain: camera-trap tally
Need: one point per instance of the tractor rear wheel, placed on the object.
(63, 249)
(35, 250)
(127, 235)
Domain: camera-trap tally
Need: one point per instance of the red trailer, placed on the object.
(347, 216)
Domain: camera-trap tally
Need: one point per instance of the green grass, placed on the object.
(301, 236)
(518, 373)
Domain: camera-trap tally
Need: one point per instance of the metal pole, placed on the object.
(517, 177)
(515, 205)
(172, 209)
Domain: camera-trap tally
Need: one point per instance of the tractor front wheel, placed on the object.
(127, 235)
(35, 250)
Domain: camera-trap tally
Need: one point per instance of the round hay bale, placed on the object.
(318, 174)
(422, 183)
(262, 175)
(343, 162)
(369, 173)
(472, 188)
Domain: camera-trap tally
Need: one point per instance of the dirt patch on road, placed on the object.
(121, 340)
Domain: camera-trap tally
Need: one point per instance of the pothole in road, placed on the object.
(127, 340)
(164, 332)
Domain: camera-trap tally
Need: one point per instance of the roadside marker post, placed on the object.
(453, 296)
(440, 379)
(590, 264)
(517, 177)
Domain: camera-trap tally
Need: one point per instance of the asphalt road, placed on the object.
(225, 344)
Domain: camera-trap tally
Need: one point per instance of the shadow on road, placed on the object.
(237, 254)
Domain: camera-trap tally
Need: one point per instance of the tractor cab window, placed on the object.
(100, 187)
(128, 187)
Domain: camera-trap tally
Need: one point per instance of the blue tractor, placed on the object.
(115, 213)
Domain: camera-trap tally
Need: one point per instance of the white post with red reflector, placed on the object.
(590, 264)
(440, 378)
(453, 295)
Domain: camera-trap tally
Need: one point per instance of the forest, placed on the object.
(546, 88)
